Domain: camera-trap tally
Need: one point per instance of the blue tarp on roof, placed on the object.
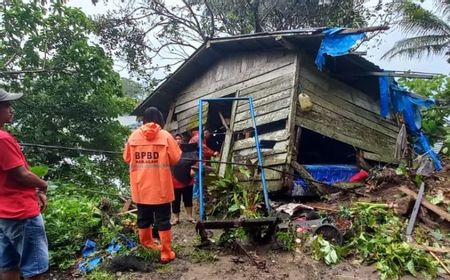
(335, 44)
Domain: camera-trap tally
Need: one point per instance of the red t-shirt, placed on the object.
(179, 185)
(16, 201)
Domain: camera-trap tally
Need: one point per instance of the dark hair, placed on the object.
(152, 114)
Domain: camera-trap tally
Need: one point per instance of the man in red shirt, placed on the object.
(23, 243)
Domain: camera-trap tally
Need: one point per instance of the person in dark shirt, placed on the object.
(183, 181)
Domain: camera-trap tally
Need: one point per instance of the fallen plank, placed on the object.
(412, 219)
(126, 206)
(318, 206)
(441, 263)
(436, 209)
(128, 212)
(430, 249)
(320, 188)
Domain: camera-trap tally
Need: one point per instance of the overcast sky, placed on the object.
(431, 64)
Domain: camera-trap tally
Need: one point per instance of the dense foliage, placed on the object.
(151, 36)
(377, 237)
(436, 120)
(430, 29)
(72, 95)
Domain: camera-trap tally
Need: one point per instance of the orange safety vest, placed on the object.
(150, 152)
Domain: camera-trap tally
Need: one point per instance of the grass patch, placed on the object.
(204, 256)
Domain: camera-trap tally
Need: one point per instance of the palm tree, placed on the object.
(430, 30)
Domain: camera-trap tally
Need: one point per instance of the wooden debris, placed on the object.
(441, 263)
(412, 219)
(320, 206)
(128, 212)
(320, 188)
(430, 248)
(347, 186)
(126, 206)
(436, 209)
(403, 205)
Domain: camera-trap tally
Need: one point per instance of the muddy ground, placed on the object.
(212, 263)
(216, 263)
(232, 265)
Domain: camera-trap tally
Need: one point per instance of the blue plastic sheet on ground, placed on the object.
(90, 265)
(394, 97)
(325, 173)
(89, 248)
(113, 247)
(128, 242)
(93, 258)
(335, 44)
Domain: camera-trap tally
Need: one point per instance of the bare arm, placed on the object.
(27, 178)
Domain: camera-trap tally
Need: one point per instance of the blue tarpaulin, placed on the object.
(385, 81)
(89, 248)
(93, 258)
(394, 97)
(335, 44)
(325, 173)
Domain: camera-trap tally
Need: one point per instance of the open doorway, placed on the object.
(326, 159)
(315, 148)
(219, 112)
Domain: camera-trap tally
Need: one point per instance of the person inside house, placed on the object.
(183, 181)
(151, 152)
(207, 151)
(207, 154)
(23, 242)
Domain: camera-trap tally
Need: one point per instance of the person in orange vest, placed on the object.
(151, 152)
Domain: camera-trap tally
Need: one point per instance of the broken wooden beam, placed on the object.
(430, 248)
(412, 219)
(436, 209)
(320, 188)
(223, 224)
(126, 206)
(402, 74)
(366, 29)
(441, 263)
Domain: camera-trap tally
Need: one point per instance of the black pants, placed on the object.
(186, 193)
(154, 215)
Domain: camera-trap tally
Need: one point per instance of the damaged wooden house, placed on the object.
(315, 119)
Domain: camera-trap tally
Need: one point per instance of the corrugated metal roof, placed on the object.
(305, 39)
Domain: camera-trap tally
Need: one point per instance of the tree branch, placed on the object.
(211, 14)
(199, 28)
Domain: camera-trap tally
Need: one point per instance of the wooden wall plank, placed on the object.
(335, 97)
(191, 100)
(258, 91)
(263, 119)
(332, 125)
(269, 157)
(213, 80)
(342, 90)
(279, 135)
(267, 109)
(268, 99)
(279, 147)
(329, 101)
